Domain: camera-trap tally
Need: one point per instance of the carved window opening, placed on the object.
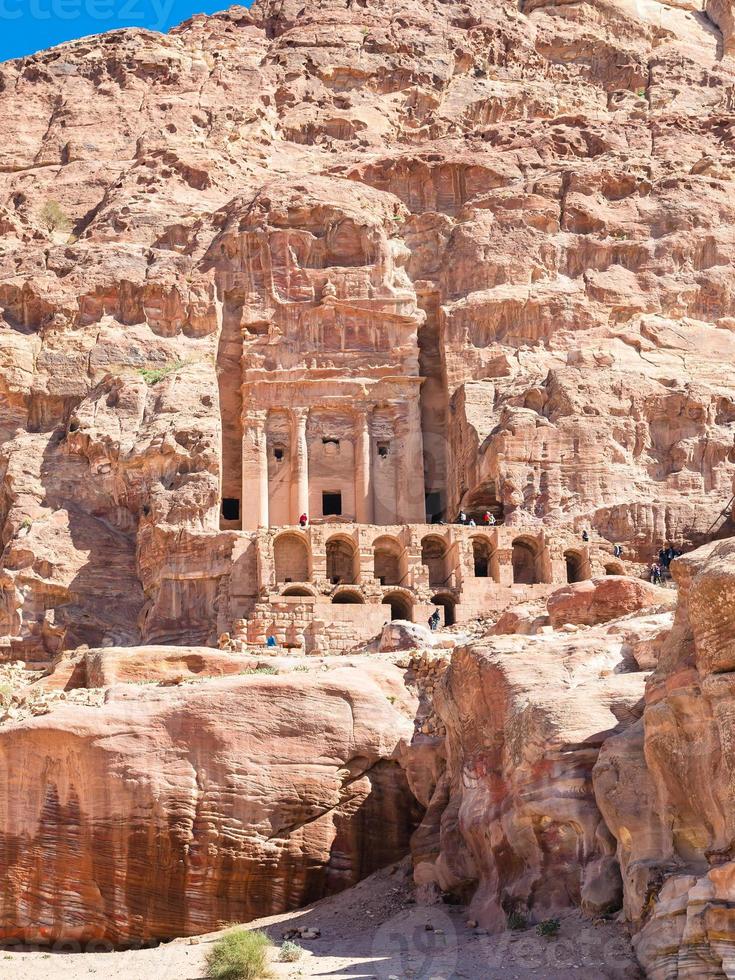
(230, 509)
(332, 504)
(383, 449)
(278, 453)
(524, 563)
(481, 557)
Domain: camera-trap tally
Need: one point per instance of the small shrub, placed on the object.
(239, 955)
(641, 93)
(258, 670)
(548, 928)
(517, 920)
(290, 952)
(26, 523)
(53, 218)
(152, 376)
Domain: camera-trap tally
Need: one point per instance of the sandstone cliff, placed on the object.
(524, 216)
(545, 192)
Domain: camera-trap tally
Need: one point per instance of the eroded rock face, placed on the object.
(665, 785)
(601, 600)
(170, 811)
(526, 718)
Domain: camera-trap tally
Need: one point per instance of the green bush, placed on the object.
(548, 928)
(516, 920)
(152, 376)
(290, 952)
(53, 218)
(239, 955)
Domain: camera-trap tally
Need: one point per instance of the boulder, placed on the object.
(171, 811)
(520, 829)
(603, 599)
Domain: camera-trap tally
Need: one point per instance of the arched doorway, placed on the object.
(575, 563)
(348, 599)
(447, 603)
(434, 556)
(481, 557)
(341, 554)
(388, 561)
(400, 606)
(297, 592)
(614, 568)
(524, 562)
(291, 558)
(481, 500)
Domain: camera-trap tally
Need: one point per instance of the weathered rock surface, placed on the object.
(518, 827)
(665, 785)
(172, 810)
(600, 600)
(542, 197)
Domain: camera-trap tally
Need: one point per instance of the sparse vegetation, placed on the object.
(290, 952)
(53, 218)
(641, 93)
(258, 670)
(239, 955)
(26, 523)
(516, 920)
(548, 928)
(152, 376)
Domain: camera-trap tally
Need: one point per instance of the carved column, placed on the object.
(410, 500)
(363, 475)
(300, 472)
(254, 472)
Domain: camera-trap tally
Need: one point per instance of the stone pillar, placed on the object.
(300, 472)
(364, 512)
(410, 499)
(254, 472)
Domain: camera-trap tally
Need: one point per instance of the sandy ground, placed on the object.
(374, 930)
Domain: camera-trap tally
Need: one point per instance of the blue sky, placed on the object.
(27, 26)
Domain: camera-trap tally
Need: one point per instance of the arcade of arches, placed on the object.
(332, 586)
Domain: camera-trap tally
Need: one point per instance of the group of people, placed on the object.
(488, 519)
(660, 568)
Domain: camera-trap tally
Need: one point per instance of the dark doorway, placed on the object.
(447, 604)
(348, 599)
(481, 556)
(574, 567)
(331, 505)
(400, 608)
(230, 509)
(433, 507)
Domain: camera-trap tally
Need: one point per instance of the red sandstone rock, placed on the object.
(525, 719)
(171, 811)
(600, 600)
(665, 790)
(531, 212)
(496, 243)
